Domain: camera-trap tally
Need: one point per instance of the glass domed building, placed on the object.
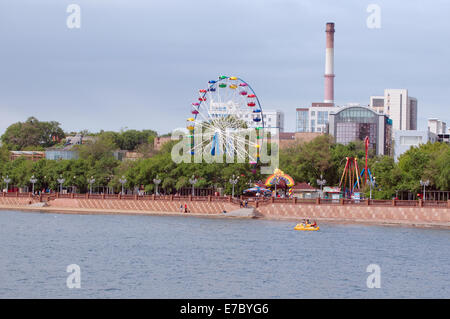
(354, 123)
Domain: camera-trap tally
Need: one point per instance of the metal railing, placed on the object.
(252, 201)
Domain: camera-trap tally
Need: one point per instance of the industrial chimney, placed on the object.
(329, 64)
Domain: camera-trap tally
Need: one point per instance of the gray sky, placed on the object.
(139, 64)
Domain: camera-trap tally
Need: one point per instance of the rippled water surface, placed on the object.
(185, 257)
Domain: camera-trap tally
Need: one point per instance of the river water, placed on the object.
(186, 257)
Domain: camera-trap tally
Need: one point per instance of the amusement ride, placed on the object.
(352, 181)
(224, 108)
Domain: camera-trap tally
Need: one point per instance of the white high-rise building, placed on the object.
(405, 139)
(437, 126)
(399, 106)
(273, 120)
(314, 119)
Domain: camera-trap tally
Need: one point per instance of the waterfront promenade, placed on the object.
(389, 212)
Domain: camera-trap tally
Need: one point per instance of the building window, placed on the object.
(302, 121)
(410, 140)
(356, 123)
(322, 117)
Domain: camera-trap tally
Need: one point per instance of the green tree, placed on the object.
(102, 147)
(31, 134)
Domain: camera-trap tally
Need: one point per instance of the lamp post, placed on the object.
(61, 181)
(321, 182)
(371, 184)
(424, 184)
(157, 181)
(277, 180)
(45, 183)
(233, 181)
(73, 184)
(122, 181)
(91, 181)
(7, 180)
(33, 180)
(193, 181)
(110, 189)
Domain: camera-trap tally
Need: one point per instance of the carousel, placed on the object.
(280, 183)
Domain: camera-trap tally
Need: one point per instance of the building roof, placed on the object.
(27, 152)
(287, 135)
(304, 186)
(321, 104)
(327, 189)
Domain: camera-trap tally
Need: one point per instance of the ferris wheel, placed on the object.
(227, 105)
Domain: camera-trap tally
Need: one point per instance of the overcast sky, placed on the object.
(139, 64)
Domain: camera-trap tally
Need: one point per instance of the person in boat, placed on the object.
(314, 224)
(308, 222)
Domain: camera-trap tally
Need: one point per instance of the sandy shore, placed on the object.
(61, 210)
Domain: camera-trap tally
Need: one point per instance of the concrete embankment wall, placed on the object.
(350, 213)
(199, 207)
(15, 201)
(357, 213)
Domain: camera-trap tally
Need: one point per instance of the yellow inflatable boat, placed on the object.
(306, 227)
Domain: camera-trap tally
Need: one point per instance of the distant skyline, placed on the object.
(139, 64)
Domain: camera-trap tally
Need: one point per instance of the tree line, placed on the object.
(305, 162)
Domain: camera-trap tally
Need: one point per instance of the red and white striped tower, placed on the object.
(329, 64)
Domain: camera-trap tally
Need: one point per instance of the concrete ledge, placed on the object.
(243, 213)
(375, 215)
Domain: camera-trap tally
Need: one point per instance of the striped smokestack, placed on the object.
(329, 64)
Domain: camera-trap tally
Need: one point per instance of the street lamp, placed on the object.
(7, 180)
(193, 181)
(122, 181)
(321, 182)
(277, 180)
(424, 184)
(60, 181)
(371, 184)
(33, 180)
(73, 184)
(233, 181)
(91, 181)
(110, 189)
(157, 181)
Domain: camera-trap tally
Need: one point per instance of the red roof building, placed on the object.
(305, 190)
